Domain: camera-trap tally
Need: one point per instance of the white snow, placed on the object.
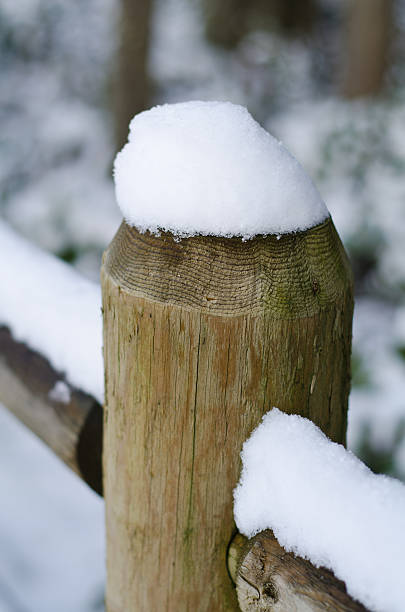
(325, 505)
(50, 307)
(52, 547)
(60, 392)
(210, 168)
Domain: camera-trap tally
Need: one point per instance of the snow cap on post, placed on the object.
(227, 290)
(209, 168)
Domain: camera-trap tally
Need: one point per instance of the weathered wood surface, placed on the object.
(268, 579)
(72, 429)
(202, 336)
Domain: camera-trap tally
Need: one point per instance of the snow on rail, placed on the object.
(210, 168)
(325, 505)
(51, 308)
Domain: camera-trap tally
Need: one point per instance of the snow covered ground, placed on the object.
(56, 155)
(51, 529)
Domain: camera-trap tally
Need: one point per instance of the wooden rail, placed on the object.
(268, 579)
(71, 427)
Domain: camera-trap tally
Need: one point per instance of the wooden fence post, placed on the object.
(202, 336)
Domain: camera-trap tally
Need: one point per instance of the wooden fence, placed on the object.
(202, 336)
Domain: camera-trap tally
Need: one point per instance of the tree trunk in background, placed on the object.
(131, 87)
(368, 34)
(225, 21)
(296, 15)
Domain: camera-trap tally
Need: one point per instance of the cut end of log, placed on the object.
(288, 276)
(89, 449)
(269, 579)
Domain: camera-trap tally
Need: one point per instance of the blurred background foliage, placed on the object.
(327, 77)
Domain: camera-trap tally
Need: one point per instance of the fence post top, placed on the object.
(288, 276)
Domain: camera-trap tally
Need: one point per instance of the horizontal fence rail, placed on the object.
(267, 578)
(71, 426)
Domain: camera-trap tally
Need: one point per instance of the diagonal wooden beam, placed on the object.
(68, 420)
(269, 579)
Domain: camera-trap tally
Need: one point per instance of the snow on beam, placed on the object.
(325, 505)
(68, 420)
(53, 309)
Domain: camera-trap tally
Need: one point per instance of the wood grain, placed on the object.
(202, 336)
(268, 579)
(73, 430)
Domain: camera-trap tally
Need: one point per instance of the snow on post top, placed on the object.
(210, 168)
(325, 505)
